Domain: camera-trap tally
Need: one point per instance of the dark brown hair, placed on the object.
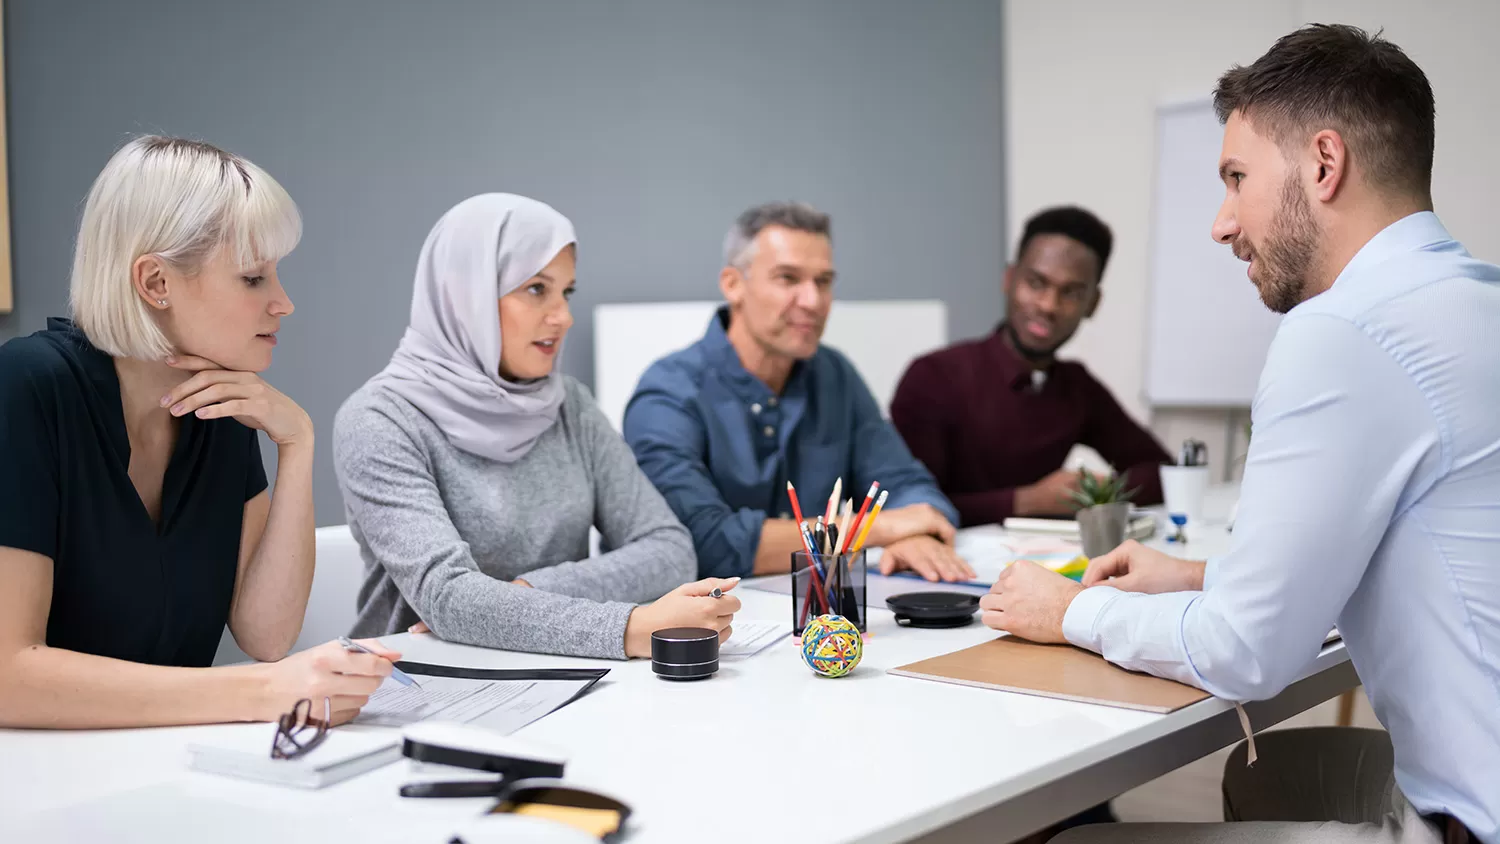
(1334, 76)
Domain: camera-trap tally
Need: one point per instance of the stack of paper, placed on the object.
(751, 637)
(1142, 525)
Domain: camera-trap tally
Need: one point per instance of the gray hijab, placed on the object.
(448, 362)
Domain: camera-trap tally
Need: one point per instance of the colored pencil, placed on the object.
(844, 521)
(814, 582)
(864, 531)
(865, 507)
(833, 501)
(791, 492)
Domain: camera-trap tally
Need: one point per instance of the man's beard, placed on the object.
(1284, 261)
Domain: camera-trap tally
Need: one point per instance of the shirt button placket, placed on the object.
(771, 418)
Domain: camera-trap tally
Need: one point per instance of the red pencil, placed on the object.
(863, 508)
(814, 580)
(791, 492)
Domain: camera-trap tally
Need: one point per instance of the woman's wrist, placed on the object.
(638, 632)
(247, 691)
(299, 451)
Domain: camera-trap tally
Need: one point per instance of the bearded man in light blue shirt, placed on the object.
(1371, 495)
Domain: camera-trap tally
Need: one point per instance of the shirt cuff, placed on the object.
(613, 620)
(1083, 614)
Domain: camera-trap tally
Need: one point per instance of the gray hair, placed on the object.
(739, 244)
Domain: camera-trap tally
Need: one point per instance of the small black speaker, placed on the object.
(685, 653)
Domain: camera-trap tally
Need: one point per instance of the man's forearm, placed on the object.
(779, 539)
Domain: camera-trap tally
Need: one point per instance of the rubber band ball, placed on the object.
(831, 645)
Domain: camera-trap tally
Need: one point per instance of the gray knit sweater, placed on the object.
(442, 531)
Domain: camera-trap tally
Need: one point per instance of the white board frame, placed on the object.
(1207, 331)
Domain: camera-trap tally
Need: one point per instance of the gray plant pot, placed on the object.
(1102, 527)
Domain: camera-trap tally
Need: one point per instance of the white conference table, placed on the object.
(764, 751)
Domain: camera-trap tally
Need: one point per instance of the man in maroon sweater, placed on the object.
(994, 419)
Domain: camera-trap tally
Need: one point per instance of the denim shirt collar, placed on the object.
(726, 360)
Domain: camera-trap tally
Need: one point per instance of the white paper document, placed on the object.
(501, 705)
(990, 548)
(752, 637)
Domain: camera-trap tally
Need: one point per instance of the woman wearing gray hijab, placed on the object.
(472, 471)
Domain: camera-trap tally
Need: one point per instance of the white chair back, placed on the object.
(879, 337)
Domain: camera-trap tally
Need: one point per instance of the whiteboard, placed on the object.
(1208, 331)
(880, 338)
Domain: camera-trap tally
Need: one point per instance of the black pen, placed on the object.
(453, 788)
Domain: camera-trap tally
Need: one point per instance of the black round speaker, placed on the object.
(933, 609)
(685, 653)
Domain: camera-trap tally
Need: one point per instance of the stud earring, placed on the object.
(162, 302)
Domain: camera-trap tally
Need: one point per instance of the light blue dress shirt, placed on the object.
(1371, 498)
(720, 446)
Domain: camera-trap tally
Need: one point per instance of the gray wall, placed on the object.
(651, 123)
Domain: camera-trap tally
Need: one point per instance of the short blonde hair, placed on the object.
(181, 201)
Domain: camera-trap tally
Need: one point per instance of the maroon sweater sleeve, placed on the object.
(1126, 445)
(985, 508)
(926, 408)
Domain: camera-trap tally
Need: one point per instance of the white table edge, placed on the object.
(1055, 791)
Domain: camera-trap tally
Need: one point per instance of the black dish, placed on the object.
(933, 609)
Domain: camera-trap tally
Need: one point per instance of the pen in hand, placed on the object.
(396, 674)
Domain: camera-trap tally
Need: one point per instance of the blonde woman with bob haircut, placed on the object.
(135, 520)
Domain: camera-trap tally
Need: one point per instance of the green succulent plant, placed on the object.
(1095, 489)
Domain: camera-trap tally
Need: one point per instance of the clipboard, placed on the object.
(589, 676)
(1010, 664)
(502, 699)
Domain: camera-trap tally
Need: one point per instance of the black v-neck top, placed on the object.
(122, 585)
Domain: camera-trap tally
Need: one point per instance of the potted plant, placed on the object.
(1103, 505)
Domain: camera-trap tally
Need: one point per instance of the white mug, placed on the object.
(1183, 489)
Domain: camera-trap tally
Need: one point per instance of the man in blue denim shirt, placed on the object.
(722, 426)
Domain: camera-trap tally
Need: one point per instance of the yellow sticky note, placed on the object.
(595, 822)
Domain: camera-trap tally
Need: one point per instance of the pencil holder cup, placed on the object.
(828, 584)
